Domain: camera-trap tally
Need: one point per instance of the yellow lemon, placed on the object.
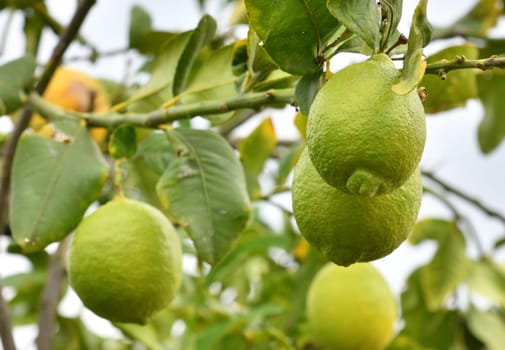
(351, 308)
(362, 137)
(125, 261)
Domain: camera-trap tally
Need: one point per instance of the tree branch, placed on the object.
(475, 202)
(163, 116)
(5, 324)
(442, 67)
(51, 296)
(66, 38)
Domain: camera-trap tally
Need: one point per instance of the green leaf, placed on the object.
(159, 88)
(293, 32)
(306, 90)
(404, 342)
(146, 334)
(53, 184)
(491, 89)
(414, 65)
(449, 266)
(258, 60)
(362, 17)
(391, 15)
(205, 191)
(212, 78)
(431, 329)
(254, 150)
(123, 142)
(140, 25)
(458, 86)
(200, 37)
(488, 326)
(288, 162)
(487, 279)
(33, 27)
(15, 77)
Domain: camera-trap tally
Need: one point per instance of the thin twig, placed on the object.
(66, 38)
(461, 62)
(5, 324)
(51, 296)
(159, 117)
(475, 202)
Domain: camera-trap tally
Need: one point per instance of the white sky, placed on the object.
(451, 151)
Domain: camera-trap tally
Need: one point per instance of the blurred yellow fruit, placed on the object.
(75, 91)
(351, 308)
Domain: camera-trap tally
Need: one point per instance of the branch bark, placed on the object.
(163, 116)
(66, 38)
(442, 67)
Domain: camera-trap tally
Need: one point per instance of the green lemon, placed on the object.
(362, 137)
(125, 261)
(348, 228)
(351, 308)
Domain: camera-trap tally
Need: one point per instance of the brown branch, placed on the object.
(5, 324)
(475, 202)
(461, 62)
(66, 38)
(50, 297)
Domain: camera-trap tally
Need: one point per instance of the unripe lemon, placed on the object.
(362, 137)
(351, 308)
(125, 261)
(348, 228)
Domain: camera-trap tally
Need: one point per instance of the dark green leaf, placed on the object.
(293, 32)
(458, 86)
(140, 25)
(123, 142)
(205, 191)
(491, 89)
(200, 37)
(414, 65)
(306, 90)
(254, 150)
(15, 77)
(391, 15)
(53, 184)
(361, 17)
(431, 329)
(487, 326)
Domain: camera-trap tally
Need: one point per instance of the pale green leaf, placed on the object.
(414, 64)
(391, 11)
(254, 150)
(362, 17)
(15, 77)
(487, 279)
(140, 25)
(146, 334)
(53, 183)
(205, 191)
(491, 89)
(458, 85)
(288, 162)
(293, 32)
(487, 326)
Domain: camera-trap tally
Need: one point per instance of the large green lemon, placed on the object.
(351, 308)
(362, 137)
(125, 261)
(348, 228)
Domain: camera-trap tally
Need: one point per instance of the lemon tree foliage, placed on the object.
(176, 206)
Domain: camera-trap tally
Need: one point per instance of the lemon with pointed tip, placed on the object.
(125, 261)
(351, 308)
(348, 228)
(362, 137)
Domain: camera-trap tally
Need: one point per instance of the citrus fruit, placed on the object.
(125, 261)
(362, 137)
(75, 91)
(348, 228)
(351, 308)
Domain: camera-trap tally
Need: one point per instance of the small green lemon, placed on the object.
(351, 308)
(362, 137)
(348, 228)
(125, 261)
